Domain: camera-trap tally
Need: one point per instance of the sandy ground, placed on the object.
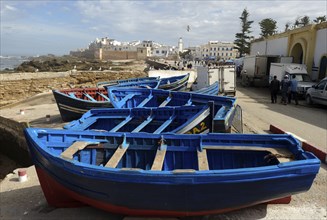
(26, 201)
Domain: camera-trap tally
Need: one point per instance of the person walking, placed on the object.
(293, 91)
(285, 84)
(274, 89)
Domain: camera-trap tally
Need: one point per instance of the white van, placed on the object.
(290, 69)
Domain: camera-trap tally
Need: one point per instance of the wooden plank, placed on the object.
(143, 124)
(145, 101)
(71, 94)
(159, 159)
(164, 103)
(165, 125)
(203, 160)
(177, 171)
(89, 97)
(119, 153)
(76, 146)
(103, 96)
(121, 124)
(285, 154)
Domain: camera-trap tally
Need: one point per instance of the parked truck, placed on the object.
(290, 69)
(256, 69)
(224, 75)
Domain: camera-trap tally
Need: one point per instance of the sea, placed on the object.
(11, 62)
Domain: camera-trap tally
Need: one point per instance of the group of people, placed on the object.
(287, 87)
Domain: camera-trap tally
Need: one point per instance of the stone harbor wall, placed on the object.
(13, 143)
(15, 87)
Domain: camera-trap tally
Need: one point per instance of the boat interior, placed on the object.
(186, 155)
(150, 120)
(89, 94)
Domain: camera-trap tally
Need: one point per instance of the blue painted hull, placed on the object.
(72, 108)
(210, 90)
(116, 82)
(227, 185)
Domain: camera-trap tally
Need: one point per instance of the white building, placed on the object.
(219, 50)
(307, 45)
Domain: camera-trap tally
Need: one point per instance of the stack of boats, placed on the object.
(145, 147)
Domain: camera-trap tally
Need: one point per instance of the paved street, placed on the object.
(307, 122)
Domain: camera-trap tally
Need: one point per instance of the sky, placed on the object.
(56, 27)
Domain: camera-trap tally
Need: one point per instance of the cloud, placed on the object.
(76, 23)
(10, 8)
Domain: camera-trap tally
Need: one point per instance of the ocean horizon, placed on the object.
(11, 62)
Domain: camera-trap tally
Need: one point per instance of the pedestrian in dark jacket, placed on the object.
(285, 85)
(274, 89)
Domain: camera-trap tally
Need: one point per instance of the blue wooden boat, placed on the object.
(174, 83)
(143, 174)
(121, 81)
(73, 103)
(223, 107)
(180, 120)
(210, 90)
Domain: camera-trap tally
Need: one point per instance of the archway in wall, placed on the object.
(322, 68)
(297, 53)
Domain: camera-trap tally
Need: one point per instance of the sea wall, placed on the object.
(15, 87)
(13, 143)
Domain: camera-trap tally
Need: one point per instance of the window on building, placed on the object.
(163, 52)
(214, 49)
(217, 54)
(141, 51)
(230, 54)
(222, 48)
(218, 48)
(207, 50)
(157, 51)
(214, 54)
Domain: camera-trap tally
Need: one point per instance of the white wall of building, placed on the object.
(270, 47)
(278, 46)
(321, 46)
(320, 50)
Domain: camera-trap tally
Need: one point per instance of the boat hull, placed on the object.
(156, 193)
(71, 108)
